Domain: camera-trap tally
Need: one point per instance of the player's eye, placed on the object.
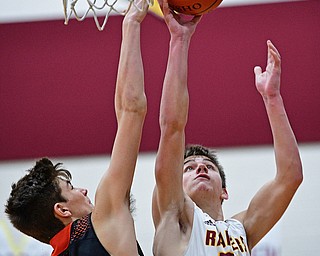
(71, 186)
(188, 168)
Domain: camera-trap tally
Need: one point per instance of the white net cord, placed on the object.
(95, 8)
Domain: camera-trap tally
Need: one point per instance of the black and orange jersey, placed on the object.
(79, 238)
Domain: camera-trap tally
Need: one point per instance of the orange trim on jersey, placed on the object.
(60, 241)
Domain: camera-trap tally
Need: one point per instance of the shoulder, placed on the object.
(240, 216)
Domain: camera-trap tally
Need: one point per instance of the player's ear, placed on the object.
(224, 194)
(60, 210)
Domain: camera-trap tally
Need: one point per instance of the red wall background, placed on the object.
(57, 82)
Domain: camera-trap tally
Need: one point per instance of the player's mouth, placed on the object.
(203, 176)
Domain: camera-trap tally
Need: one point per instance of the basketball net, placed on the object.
(98, 8)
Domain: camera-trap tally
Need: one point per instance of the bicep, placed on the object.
(265, 209)
(120, 242)
(114, 188)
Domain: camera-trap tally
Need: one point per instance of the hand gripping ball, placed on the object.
(193, 7)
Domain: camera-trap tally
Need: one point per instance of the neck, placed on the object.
(213, 208)
(65, 221)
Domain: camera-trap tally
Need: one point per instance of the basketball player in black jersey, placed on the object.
(44, 204)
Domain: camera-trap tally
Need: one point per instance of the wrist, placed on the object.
(273, 100)
(184, 40)
(130, 21)
(130, 26)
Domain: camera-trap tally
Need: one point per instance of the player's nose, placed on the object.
(84, 191)
(202, 168)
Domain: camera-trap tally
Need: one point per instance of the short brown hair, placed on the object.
(32, 199)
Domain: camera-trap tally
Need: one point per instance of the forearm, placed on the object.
(285, 144)
(173, 118)
(177, 68)
(175, 98)
(130, 80)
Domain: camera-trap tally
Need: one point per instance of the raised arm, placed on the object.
(111, 216)
(168, 194)
(271, 201)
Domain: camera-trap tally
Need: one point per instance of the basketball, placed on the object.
(193, 7)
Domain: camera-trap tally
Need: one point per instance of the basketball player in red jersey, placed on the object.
(190, 184)
(44, 204)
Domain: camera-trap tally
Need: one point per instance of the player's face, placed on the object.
(200, 174)
(78, 202)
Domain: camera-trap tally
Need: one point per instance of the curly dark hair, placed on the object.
(32, 199)
(199, 150)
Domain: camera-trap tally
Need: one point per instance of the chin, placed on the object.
(203, 187)
(199, 191)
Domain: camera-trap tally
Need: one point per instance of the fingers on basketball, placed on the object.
(194, 7)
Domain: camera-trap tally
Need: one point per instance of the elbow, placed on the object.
(299, 178)
(297, 174)
(291, 175)
(172, 122)
(140, 108)
(136, 104)
(171, 127)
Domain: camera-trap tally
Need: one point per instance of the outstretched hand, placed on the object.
(137, 10)
(178, 24)
(268, 82)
